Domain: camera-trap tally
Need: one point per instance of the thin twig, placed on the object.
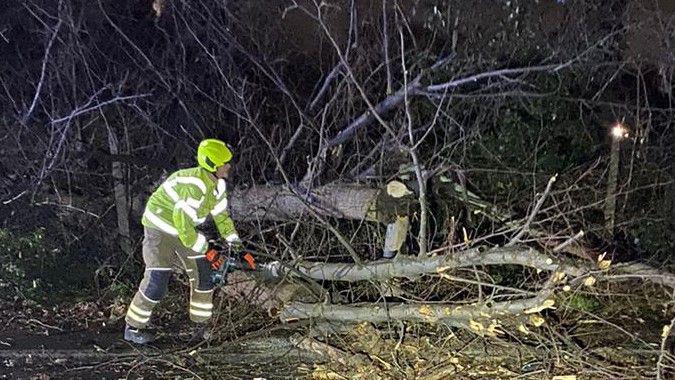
(33, 320)
(421, 183)
(8, 201)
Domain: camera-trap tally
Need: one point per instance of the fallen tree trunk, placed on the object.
(278, 203)
(338, 199)
(352, 201)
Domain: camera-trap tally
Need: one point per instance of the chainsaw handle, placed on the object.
(248, 258)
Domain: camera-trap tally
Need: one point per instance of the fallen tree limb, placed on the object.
(368, 117)
(411, 266)
(413, 88)
(485, 319)
(645, 272)
(408, 266)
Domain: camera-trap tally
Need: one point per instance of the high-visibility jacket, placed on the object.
(184, 201)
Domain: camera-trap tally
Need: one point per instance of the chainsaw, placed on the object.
(225, 259)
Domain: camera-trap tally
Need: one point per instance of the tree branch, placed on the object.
(484, 319)
(534, 212)
(25, 118)
(408, 266)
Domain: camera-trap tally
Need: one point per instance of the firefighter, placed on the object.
(171, 240)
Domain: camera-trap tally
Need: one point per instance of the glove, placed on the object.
(247, 260)
(214, 257)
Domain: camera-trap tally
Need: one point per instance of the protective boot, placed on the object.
(138, 336)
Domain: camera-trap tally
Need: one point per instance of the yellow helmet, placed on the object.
(213, 153)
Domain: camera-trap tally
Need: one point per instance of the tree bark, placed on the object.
(120, 194)
(610, 199)
(277, 203)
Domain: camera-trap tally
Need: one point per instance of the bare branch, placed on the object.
(86, 108)
(25, 118)
(490, 74)
(421, 183)
(479, 318)
(325, 86)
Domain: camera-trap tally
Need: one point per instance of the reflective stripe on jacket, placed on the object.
(184, 201)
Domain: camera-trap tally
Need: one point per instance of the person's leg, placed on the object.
(157, 258)
(201, 286)
(201, 291)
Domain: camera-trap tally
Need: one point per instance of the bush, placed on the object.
(30, 269)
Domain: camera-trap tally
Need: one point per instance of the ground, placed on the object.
(589, 336)
(82, 342)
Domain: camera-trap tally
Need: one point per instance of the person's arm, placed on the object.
(185, 217)
(224, 223)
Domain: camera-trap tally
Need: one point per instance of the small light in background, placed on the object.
(618, 131)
